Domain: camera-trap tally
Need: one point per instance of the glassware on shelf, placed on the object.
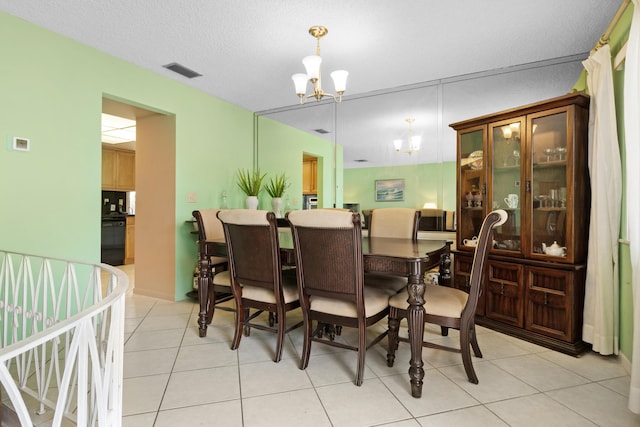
(550, 154)
(562, 196)
(544, 200)
(516, 157)
(553, 195)
(561, 153)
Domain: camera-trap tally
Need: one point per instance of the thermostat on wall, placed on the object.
(21, 144)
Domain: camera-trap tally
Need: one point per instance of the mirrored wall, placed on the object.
(364, 126)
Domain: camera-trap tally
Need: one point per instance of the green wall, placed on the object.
(52, 88)
(433, 182)
(281, 148)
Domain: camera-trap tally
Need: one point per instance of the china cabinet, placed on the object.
(531, 162)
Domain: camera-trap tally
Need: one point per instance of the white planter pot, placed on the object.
(276, 206)
(252, 202)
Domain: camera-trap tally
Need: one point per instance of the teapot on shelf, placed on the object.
(555, 249)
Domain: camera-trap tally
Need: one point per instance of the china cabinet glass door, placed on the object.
(506, 152)
(472, 189)
(549, 184)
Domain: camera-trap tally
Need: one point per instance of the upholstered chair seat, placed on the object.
(438, 301)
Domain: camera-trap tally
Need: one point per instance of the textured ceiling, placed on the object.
(247, 50)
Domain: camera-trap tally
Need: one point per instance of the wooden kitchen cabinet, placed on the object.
(531, 162)
(310, 176)
(130, 241)
(118, 169)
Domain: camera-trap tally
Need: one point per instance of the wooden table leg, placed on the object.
(203, 289)
(415, 321)
(445, 267)
(444, 278)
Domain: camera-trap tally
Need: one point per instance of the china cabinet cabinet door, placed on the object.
(552, 302)
(506, 176)
(505, 293)
(551, 201)
(471, 185)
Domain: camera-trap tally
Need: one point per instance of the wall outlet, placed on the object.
(192, 197)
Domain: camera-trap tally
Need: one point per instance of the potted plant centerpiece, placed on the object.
(250, 182)
(276, 188)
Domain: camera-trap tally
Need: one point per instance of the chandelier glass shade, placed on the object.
(414, 141)
(312, 67)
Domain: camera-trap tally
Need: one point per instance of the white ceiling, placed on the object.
(117, 130)
(453, 55)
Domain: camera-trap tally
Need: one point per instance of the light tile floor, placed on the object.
(175, 378)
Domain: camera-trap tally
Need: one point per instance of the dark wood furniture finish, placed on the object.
(209, 264)
(450, 307)
(539, 153)
(401, 257)
(256, 274)
(331, 282)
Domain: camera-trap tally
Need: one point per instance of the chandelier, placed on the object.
(312, 66)
(413, 140)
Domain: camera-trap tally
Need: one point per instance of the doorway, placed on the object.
(155, 243)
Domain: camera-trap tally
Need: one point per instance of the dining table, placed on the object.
(392, 256)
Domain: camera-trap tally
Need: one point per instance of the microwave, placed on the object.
(313, 203)
(310, 201)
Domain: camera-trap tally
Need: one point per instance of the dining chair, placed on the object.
(219, 286)
(394, 223)
(257, 281)
(330, 270)
(450, 307)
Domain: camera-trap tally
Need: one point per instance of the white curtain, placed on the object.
(601, 307)
(632, 144)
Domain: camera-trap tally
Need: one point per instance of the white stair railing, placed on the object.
(61, 339)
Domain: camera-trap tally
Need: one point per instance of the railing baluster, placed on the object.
(62, 310)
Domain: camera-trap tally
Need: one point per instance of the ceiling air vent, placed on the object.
(322, 131)
(182, 70)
